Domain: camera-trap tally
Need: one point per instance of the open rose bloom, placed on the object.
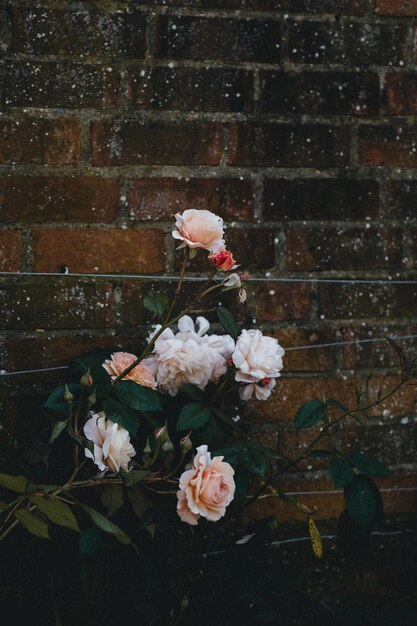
(199, 229)
(206, 490)
(112, 447)
(258, 362)
(140, 374)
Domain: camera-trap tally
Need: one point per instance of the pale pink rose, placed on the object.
(189, 356)
(112, 447)
(206, 490)
(199, 229)
(140, 374)
(223, 260)
(258, 361)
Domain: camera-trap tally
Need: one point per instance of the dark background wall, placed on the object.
(292, 119)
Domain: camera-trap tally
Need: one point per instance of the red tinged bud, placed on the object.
(223, 260)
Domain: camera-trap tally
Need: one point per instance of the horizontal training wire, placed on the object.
(310, 347)
(254, 279)
(280, 542)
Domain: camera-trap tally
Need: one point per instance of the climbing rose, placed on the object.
(140, 374)
(112, 447)
(199, 229)
(258, 361)
(206, 490)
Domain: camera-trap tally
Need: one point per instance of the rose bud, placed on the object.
(168, 446)
(147, 449)
(68, 397)
(161, 434)
(242, 295)
(86, 380)
(186, 444)
(223, 260)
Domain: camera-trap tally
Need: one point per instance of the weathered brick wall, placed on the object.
(293, 119)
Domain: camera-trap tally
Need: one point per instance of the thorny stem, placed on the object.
(318, 438)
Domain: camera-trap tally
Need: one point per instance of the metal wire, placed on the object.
(254, 279)
(310, 347)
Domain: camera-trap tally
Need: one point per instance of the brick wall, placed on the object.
(293, 119)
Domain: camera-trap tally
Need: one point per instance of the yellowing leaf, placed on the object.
(32, 523)
(56, 511)
(316, 542)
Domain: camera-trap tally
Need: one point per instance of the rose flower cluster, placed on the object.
(192, 355)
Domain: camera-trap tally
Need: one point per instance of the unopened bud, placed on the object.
(186, 444)
(265, 382)
(168, 446)
(147, 449)
(86, 380)
(68, 397)
(161, 434)
(92, 398)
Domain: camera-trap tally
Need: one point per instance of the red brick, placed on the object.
(285, 145)
(291, 393)
(40, 141)
(388, 145)
(154, 143)
(322, 199)
(391, 443)
(396, 7)
(161, 198)
(190, 89)
(99, 251)
(402, 94)
(64, 85)
(189, 37)
(375, 355)
(404, 402)
(292, 444)
(347, 249)
(366, 301)
(277, 301)
(320, 93)
(310, 360)
(61, 305)
(344, 7)
(78, 32)
(10, 250)
(401, 200)
(33, 199)
(329, 505)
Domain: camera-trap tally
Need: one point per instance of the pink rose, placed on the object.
(199, 229)
(205, 490)
(223, 260)
(112, 447)
(141, 374)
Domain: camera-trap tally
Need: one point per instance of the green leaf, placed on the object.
(57, 430)
(340, 472)
(369, 465)
(361, 497)
(193, 416)
(309, 414)
(156, 303)
(14, 483)
(132, 478)
(193, 392)
(112, 498)
(3, 506)
(92, 361)
(320, 454)
(32, 523)
(35, 488)
(56, 402)
(227, 320)
(91, 541)
(137, 397)
(140, 503)
(106, 525)
(337, 405)
(121, 414)
(56, 511)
